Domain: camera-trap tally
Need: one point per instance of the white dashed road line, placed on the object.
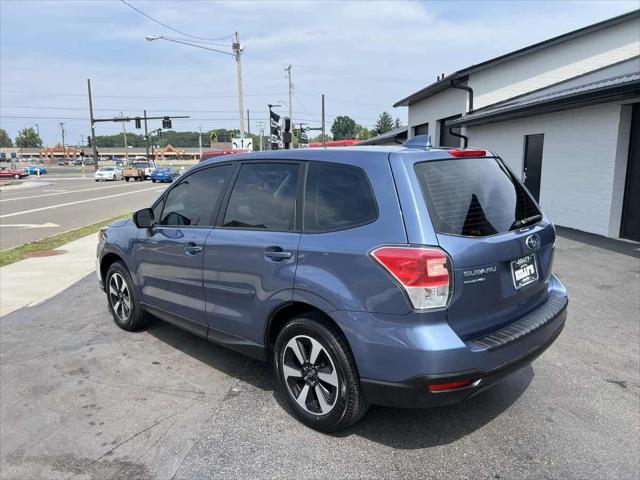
(61, 192)
(49, 207)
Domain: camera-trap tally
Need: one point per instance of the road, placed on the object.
(83, 399)
(63, 201)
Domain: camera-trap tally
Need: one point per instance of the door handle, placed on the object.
(276, 253)
(192, 249)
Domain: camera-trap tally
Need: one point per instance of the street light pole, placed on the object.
(237, 51)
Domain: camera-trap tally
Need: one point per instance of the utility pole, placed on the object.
(248, 124)
(146, 134)
(237, 51)
(126, 147)
(288, 70)
(37, 129)
(93, 128)
(62, 132)
(200, 139)
(323, 124)
(260, 125)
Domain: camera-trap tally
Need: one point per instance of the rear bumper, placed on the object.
(399, 356)
(414, 393)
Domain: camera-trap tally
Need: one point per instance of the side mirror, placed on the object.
(143, 218)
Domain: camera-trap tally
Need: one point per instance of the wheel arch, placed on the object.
(281, 315)
(106, 261)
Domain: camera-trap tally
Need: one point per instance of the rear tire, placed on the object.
(324, 392)
(122, 300)
(153, 180)
(126, 179)
(16, 176)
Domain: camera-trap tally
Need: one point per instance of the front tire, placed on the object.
(122, 300)
(126, 179)
(318, 375)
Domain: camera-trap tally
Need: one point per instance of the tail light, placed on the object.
(423, 272)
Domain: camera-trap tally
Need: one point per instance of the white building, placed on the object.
(563, 113)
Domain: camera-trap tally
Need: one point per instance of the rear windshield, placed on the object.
(141, 165)
(474, 197)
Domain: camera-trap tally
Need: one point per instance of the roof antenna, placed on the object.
(419, 141)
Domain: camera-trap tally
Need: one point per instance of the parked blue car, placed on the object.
(34, 169)
(164, 174)
(403, 276)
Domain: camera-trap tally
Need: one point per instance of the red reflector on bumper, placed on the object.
(438, 387)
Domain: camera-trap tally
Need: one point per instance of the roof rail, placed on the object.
(419, 141)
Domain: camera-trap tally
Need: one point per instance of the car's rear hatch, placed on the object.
(500, 245)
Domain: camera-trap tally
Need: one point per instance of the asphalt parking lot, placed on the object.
(63, 201)
(82, 399)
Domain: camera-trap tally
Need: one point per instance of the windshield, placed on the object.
(474, 197)
(106, 169)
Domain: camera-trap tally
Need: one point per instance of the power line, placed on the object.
(169, 26)
(160, 97)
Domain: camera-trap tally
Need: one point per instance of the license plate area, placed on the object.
(524, 271)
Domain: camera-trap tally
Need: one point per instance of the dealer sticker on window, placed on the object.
(524, 271)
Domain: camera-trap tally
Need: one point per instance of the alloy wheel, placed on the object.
(120, 297)
(310, 375)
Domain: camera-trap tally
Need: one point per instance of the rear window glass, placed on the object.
(337, 197)
(474, 197)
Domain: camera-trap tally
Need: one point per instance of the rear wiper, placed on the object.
(521, 223)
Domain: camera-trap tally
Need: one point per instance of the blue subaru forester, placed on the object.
(404, 276)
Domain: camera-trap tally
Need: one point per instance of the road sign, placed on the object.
(242, 144)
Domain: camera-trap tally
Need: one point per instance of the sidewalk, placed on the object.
(33, 280)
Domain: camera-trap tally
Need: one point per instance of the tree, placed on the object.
(5, 139)
(384, 123)
(327, 138)
(397, 123)
(363, 133)
(28, 138)
(344, 127)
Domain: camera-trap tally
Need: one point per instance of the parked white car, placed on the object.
(108, 173)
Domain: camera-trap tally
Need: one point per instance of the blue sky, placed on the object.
(363, 55)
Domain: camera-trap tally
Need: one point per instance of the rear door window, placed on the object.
(264, 197)
(337, 197)
(474, 197)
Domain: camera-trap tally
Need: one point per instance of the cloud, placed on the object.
(363, 55)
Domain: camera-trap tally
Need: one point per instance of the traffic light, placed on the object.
(138, 124)
(214, 137)
(166, 122)
(287, 138)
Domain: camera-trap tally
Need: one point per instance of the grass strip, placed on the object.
(49, 243)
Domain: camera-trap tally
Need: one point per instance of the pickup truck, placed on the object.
(138, 171)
